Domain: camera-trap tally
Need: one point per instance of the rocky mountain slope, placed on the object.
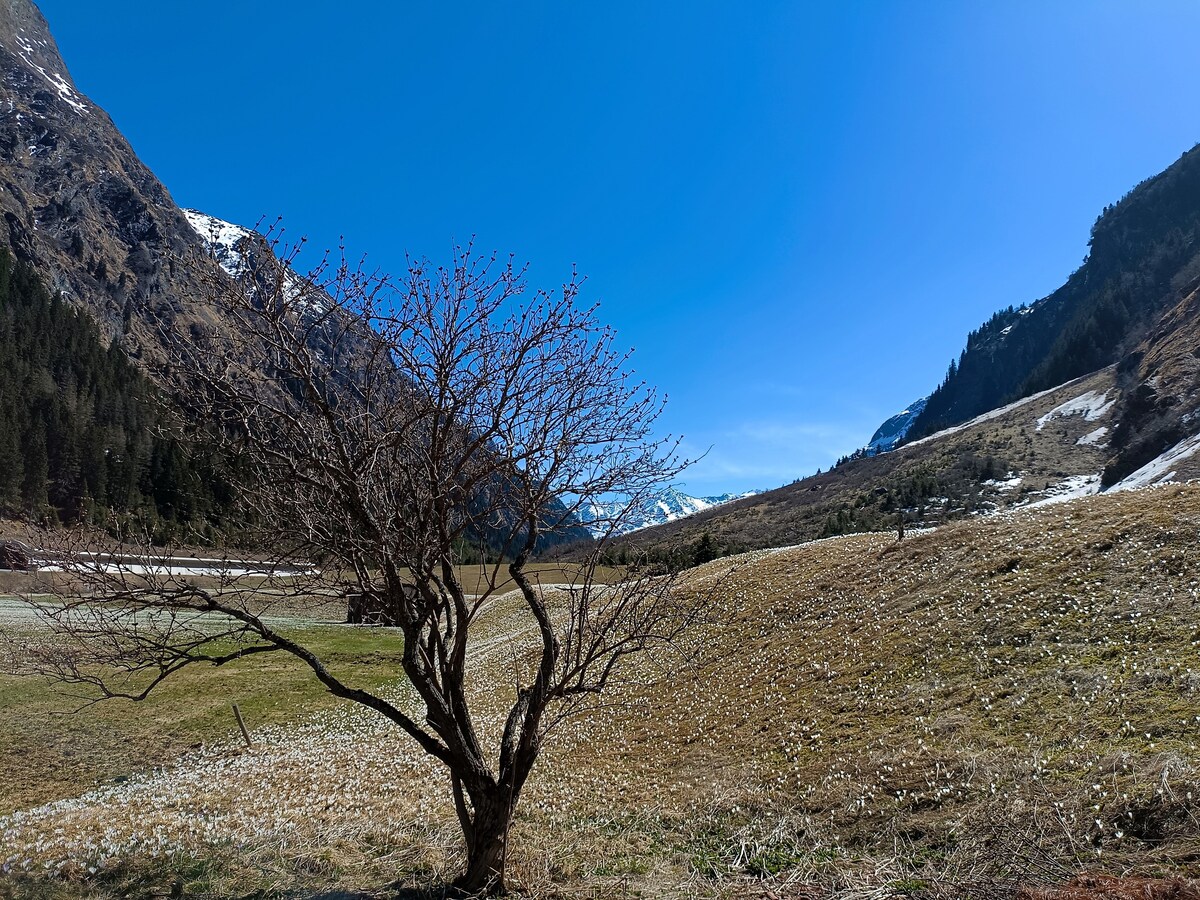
(1160, 399)
(1144, 257)
(81, 208)
(1096, 387)
(1023, 453)
(1046, 448)
(96, 228)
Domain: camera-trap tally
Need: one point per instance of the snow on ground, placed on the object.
(162, 570)
(895, 429)
(1093, 438)
(989, 415)
(1068, 489)
(110, 564)
(1004, 485)
(1160, 469)
(755, 555)
(1091, 405)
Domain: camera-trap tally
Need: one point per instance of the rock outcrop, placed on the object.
(78, 204)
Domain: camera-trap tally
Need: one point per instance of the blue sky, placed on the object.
(793, 211)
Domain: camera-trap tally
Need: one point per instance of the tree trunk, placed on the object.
(485, 854)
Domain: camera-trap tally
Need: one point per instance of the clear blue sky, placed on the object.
(793, 211)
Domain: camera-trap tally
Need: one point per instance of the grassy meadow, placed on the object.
(1006, 702)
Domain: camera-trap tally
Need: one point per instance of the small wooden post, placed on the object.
(237, 714)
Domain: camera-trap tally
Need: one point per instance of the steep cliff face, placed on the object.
(78, 204)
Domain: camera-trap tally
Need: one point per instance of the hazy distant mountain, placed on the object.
(667, 507)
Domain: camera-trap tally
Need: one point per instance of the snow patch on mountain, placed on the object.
(1160, 469)
(66, 92)
(618, 517)
(232, 246)
(1070, 488)
(893, 431)
(989, 415)
(1003, 485)
(1091, 405)
(224, 240)
(1094, 438)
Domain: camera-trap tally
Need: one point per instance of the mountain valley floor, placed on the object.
(1004, 706)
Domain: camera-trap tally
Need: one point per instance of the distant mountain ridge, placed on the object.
(670, 505)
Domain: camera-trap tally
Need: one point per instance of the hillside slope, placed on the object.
(1005, 700)
(1160, 401)
(1125, 328)
(93, 221)
(1032, 451)
(78, 204)
(1131, 303)
(1142, 257)
(1026, 680)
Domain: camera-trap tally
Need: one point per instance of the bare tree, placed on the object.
(384, 431)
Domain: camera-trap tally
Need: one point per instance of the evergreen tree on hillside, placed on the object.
(1139, 251)
(81, 435)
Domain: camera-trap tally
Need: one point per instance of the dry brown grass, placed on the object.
(1005, 700)
(473, 578)
(798, 511)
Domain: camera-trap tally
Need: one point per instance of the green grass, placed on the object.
(864, 714)
(474, 579)
(58, 745)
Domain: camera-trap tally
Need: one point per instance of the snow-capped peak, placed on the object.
(619, 518)
(894, 430)
(222, 239)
